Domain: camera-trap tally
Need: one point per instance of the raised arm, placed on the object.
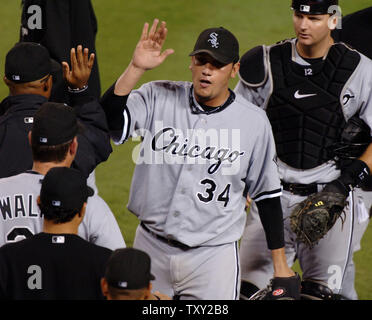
(147, 55)
(94, 140)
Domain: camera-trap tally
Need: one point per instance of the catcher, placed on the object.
(317, 95)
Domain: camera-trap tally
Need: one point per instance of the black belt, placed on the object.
(170, 242)
(300, 189)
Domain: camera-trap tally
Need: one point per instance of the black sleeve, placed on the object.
(93, 138)
(114, 107)
(3, 277)
(65, 24)
(271, 215)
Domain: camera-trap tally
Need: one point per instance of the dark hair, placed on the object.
(58, 215)
(56, 153)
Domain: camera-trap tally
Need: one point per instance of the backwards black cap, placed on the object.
(64, 188)
(220, 43)
(29, 61)
(314, 6)
(129, 268)
(54, 124)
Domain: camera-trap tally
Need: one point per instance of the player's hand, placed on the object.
(248, 202)
(148, 53)
(81, 67)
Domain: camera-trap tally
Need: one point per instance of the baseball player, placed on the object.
(312, 90)
(54, 143)
(28, 74)
(128, 276)
(356, 32)
(203, 147)
(55, 264)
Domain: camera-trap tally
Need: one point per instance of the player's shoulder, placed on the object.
(90, 248)
(97, 207)
(13, 248)
(21, 179)
(251, 111)
(365, 63)
(167, 86)
(254, 64)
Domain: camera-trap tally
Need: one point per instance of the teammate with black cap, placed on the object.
(56, 263)
(128, 276)
(312, 89)
(203, 148)
(28, 74)
(54, 143)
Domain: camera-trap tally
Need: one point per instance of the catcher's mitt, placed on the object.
(315, 216)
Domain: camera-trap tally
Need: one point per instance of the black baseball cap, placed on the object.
(54, 124)
(129, 269)
(314, 6)
(64, 188)
(29, 61)
(220, 43)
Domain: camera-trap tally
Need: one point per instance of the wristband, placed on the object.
(77, 90)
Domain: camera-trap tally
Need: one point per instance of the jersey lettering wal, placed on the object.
(18, 206)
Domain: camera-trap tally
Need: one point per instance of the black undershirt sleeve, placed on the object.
(114, 106)
(271, 215)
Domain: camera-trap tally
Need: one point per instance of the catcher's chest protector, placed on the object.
(304, 109)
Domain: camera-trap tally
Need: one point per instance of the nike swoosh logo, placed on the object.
(297, 95)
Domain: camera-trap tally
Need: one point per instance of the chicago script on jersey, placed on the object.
(169, 141)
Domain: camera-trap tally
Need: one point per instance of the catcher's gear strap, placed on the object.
(253, 67)
(316, 290)
(271, 215)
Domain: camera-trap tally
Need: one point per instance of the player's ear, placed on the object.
(38, 201)
(74, 146)
(104, 287)
(191, 62)
(29, 137)
(235, 69)
(5, 79)
(82, 211)
(332, 22)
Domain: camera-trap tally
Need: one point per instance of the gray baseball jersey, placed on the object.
(20, 216)
(329, 259)
(192, 167)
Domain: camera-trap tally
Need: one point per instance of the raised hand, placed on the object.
(81, 67)
(147, 54)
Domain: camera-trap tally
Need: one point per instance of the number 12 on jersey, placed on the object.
(210, 192)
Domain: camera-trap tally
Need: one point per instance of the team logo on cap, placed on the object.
(43, 140)
(304, 8)
(56, 203)
(213, 40)
(123, 284)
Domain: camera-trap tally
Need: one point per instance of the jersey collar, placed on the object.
(196, 108)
